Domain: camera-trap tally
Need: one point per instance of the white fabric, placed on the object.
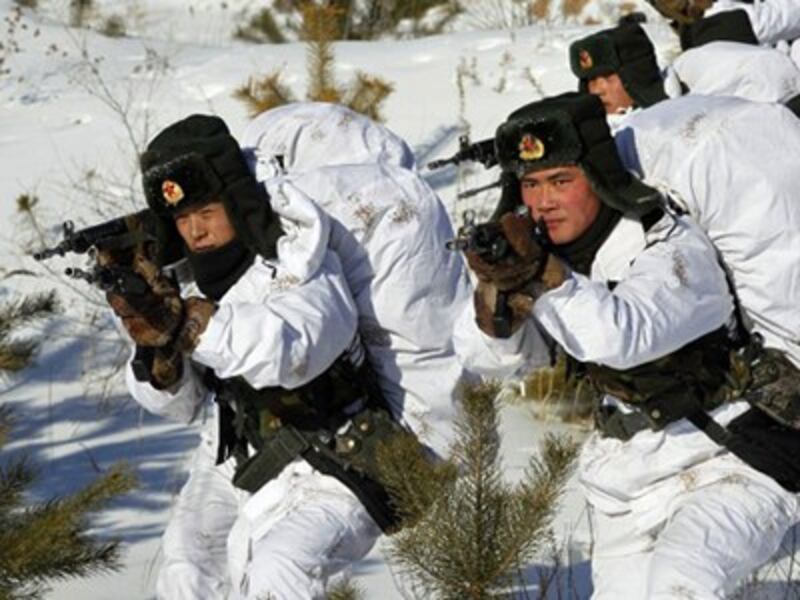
(740, 520)
(756, 73)
(670, 291)
(390, 229)
(732, 165)
(282, 323)
(309, 135)
(772, 20)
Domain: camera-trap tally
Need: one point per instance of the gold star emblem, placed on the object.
(585, 60)
(531, 147)
(172, 192)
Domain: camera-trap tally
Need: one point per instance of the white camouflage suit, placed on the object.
(281, 324)
(766, 73)
(674, 515)
(731, 164)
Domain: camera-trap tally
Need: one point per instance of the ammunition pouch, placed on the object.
(773, 385)
(335, 423)
(702, 376)
(667, 389)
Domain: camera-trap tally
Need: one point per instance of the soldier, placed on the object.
(619, 65)
(632, 293)
(761, 22)
(284, 492)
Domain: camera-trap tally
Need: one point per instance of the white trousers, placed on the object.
(708, 540)
(283, 542)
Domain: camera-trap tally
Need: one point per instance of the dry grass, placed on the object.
(558, 394)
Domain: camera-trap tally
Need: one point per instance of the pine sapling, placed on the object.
(44, 541)
(477, 531)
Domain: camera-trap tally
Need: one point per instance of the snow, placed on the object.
(75, 100)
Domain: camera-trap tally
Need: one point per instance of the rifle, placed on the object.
(482, 152)
(489, 242)
(122, 237)
(126, 234)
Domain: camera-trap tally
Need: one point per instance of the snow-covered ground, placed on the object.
(76, 106)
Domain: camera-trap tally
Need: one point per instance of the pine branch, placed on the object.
(47, 541)
(320, 29)
(30, 308)
(367, 95)
(15, 355)
(15, 477)
(263, 94)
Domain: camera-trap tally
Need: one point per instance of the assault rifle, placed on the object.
(119, 235)
(488, 241)
(484, 239)
(122, 237)
(482, 152)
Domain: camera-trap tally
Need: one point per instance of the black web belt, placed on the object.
(754, 437)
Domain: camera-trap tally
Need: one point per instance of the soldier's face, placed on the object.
(611, 92)
(205, 227)
(564, 199)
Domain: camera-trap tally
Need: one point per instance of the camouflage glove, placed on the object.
(683, 12)
(514, 306)
(521, 266)
(197, 314)
(167, 367)
(151, 318)
(503, 323)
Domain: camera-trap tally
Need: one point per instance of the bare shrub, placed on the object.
(114, 26)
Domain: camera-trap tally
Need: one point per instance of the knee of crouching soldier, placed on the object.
(273, 574)
(181, 580)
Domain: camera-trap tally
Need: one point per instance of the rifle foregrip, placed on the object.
(501, 320)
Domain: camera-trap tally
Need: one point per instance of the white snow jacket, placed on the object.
(756, 73)
(309, 135)
(389, 230)
(385, 273)
(283, 323)
(670, 291)
(732, 165)
(773, 21)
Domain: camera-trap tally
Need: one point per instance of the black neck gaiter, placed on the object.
(215, 271)
(579, 254)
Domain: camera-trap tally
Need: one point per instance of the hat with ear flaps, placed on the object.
(625, 50)
(571, 129)
(195, 161)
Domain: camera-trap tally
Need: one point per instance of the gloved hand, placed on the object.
(486, 298)
(517, 304)
(167, 367)
(151, 318)
(520, 266)
(197, 314)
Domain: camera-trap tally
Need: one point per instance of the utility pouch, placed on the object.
(775, 388)
(352, 459)
(278, 450)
